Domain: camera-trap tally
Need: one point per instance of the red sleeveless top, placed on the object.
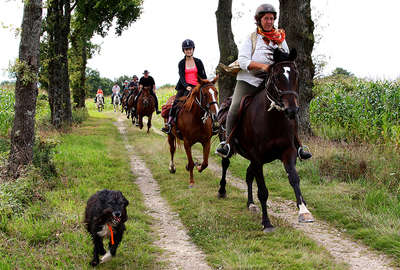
(191, 75)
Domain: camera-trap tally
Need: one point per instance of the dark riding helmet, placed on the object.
(262, 9)
(187, 44)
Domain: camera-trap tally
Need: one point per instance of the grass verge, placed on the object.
(49, 233)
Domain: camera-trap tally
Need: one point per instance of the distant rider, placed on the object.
(147, 81)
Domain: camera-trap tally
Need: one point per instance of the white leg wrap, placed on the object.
(107, 257)
(303, 209)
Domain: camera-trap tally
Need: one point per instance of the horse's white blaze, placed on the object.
(303, 209)
(287, 72)
(214, 100)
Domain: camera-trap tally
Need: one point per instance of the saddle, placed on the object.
(223, 114)
(165, 109)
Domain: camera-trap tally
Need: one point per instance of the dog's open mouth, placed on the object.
(115, 220)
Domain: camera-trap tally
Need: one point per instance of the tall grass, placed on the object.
(7, 100)
(357, 110)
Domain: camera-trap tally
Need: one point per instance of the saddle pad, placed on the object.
(167, 107)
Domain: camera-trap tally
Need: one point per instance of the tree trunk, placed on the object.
(58, 26)
(295, 18)
(227, 48)
(26, 91)
(78, 61)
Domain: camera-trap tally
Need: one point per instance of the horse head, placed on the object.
(282, 87)
(146, 95)
(209, 97)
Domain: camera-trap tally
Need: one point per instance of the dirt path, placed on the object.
(181, 253)
(343, 249)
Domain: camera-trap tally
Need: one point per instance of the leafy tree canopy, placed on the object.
(341, 71)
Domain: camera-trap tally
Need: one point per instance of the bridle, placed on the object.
(206, 108)
(273, 95)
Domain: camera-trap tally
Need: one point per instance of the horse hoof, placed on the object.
(268, 229)
(172, 170)
(253, 208)
(221, 196)
(187, 167)
(191, 185)
(306, 218)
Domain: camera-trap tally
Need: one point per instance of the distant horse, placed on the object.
(100, 102)
(124, 99)
(195, 122)
(145, 107)
(266, 131)
(130, 102)
(116, 102)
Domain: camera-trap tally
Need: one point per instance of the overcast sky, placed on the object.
(360, 36)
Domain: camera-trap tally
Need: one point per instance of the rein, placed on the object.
(275, 99)
(200, 101)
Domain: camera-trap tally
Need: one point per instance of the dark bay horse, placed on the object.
(145, 107)
(124, 99)
(265, 132)
(195, 123)
(130, 101)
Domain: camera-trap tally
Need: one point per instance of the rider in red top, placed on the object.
(189, 69)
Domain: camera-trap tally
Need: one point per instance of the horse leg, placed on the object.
(172, 148)
(206, 152)
(262, 193)
(289, 161)
(190, 165)
(140, 121)
(249, 181)
(222, 184)
(149, 123)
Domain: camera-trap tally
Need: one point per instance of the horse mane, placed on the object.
(187, 106)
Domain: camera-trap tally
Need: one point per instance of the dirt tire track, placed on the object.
(181, 252)
(343, 249)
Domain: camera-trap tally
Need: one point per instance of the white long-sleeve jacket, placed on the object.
(263, 53)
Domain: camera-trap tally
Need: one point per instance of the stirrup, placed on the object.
(301, 149)
(167, 128)
(222, 145)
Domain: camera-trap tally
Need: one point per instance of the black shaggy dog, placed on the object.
(105, 215)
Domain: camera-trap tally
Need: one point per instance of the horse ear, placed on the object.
(200, 80)
(293, 54)
(215, 79)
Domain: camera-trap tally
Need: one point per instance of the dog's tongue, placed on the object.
(116, 219)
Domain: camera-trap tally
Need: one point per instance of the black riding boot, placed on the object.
(167, 128)
(155, 101)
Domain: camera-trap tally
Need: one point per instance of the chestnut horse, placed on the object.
(145, 107)
(266, 131)
(195, 122)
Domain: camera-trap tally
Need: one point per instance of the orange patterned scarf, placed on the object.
(277, 36)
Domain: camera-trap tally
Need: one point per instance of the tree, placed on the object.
(58, 28)
(341, 71)
(227, 48)
(93, 17)
(295, 18)
(26, 91)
